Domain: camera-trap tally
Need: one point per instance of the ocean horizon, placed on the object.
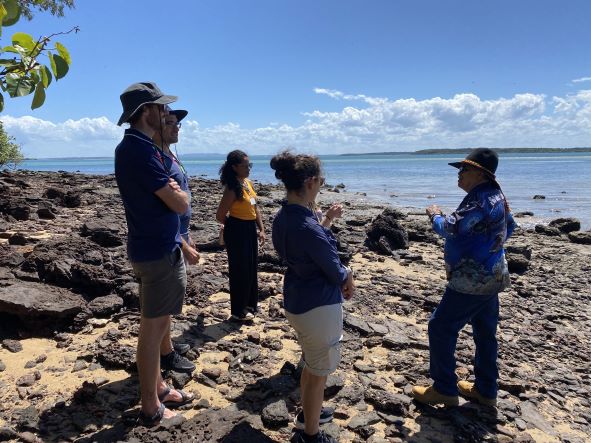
(412, 180)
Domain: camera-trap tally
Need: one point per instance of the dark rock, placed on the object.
(396, 341)
(583, 238)
(27, 419)
(274, 344)
(532, 416)
(117, 356)
(12, 345)
(547, 230)
(107, 239)
(53, 193)
(387, 402)
(358, 221)
(11, 258)
(26, 380)
(539, 197)
(212, 372)
(275, 415)
(17, 239)
(40, 305)
(46, 210)
(2, 366)
(334, 383)
(566, 224)
(7, 434)
(524, 214)
(386, 233)
(519, 249)
(106, 305)
(356, 324)
(16, 208)
(72, 199)
(517, 263)
(180, 379)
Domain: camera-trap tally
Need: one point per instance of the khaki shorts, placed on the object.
(162, 285)
(320, 332)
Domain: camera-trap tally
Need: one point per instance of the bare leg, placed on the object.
(312, 393)
(152, 331)
(166, 344)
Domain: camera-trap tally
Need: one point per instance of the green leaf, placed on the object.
(58, 66)
(23, 40)
(39, 97)
(13, 12)
(18, 86)
(45, 76)
(34, 76)
(63, 52)
(1, 103)
(9, 49)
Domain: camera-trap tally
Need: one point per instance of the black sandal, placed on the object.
(171, 404)
(149, 422)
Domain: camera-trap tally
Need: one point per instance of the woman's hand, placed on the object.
(334, 212)
(348, 288)
(262, 238)
(190, 252)
(191, 255)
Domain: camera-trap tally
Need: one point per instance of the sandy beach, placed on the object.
(69, 324)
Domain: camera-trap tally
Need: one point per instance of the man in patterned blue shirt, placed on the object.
(476, 272)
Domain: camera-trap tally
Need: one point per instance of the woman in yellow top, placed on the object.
(239, 213)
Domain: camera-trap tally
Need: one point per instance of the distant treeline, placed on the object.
(503, 150)
(466, 150)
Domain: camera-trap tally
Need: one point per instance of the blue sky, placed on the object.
(321, 76)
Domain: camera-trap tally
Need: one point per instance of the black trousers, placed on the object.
(242, 247)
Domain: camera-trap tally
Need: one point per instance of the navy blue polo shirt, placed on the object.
(315, 274)
(140, 170)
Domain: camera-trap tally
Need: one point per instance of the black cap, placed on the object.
(483, 158)
(179, 113)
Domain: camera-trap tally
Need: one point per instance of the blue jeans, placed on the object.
(454, 311)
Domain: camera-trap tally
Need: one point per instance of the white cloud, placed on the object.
(364, 124)
(582, 79)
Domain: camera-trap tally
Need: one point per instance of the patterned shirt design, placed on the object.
(475, 234)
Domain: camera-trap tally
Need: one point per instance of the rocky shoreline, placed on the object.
(69, 323)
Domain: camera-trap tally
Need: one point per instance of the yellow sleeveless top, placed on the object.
(244, 209)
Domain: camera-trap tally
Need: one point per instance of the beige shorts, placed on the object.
(162, 285)
(320, 332)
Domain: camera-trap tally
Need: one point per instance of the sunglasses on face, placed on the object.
(177, 124)
(464, 169)
(246, 165)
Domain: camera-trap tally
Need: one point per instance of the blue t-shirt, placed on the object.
(314, 274)
(177, 171)
(140, 170)
(474, 237)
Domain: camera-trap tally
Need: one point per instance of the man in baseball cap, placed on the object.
(476, 272)
(153, 201)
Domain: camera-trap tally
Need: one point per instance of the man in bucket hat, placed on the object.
(153, 202)
(476, 272)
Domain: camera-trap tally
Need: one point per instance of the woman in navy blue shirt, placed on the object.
(314, 285)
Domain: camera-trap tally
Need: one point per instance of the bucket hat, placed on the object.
(484, 159)
(140, 94)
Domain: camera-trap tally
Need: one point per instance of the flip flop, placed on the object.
(171, 404)
(149, 422)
